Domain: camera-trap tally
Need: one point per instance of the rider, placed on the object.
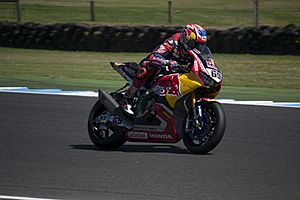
(167, 58)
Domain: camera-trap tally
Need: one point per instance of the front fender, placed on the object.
(181, 109)
(183, 106)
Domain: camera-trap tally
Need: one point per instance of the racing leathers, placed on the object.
(165, 59)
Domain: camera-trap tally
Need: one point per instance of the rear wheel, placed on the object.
(102, 129)
(202, 137)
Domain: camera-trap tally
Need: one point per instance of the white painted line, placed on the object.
(21, 198)
(95, 94)
(261, 103)
(26, 90)
(13, 88)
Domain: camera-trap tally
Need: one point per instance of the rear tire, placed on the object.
(111, 139)
(203, 140)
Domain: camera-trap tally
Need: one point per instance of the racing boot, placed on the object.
(127, 104)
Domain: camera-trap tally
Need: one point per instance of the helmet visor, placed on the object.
(192, 44)
(195, 44)
(201, 47)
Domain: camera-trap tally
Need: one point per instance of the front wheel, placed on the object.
(204, 134)
(102, 129)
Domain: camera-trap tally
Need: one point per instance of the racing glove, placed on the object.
(173, 65)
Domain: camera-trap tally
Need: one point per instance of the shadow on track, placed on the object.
(136, 148)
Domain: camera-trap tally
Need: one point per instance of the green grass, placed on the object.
(217, 13)
(249, 77)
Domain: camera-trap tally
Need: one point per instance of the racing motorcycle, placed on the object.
(176, 106)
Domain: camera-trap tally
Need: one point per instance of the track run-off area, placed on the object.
(26, 90)
(45, 153)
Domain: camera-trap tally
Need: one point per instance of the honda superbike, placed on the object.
(176, 106)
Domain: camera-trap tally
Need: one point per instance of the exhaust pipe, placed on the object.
(113, 106)
(108, 101)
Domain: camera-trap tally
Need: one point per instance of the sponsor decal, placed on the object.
(160, 136)
(137, 135)
(196, 51)
(174, 89)
(170, 85)
(161, 127)
(197, 62)
(196, 68)
(210, 63)
(162, 49)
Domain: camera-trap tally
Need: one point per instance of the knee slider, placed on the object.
(141, 73)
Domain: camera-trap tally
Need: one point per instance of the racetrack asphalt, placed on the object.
(45, 152)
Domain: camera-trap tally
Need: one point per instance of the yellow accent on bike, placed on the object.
(187, 83)
(118, 64)
(194, 99)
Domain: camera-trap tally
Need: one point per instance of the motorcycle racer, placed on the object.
(169, 57)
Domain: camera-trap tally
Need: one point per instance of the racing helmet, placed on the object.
(193, 36)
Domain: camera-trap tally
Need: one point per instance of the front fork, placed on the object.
(197, 110)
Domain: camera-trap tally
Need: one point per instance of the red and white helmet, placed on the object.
(193, 36)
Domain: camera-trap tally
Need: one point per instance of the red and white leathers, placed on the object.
(165, 59)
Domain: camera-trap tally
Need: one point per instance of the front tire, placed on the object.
(204, 138)
(112, 137)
